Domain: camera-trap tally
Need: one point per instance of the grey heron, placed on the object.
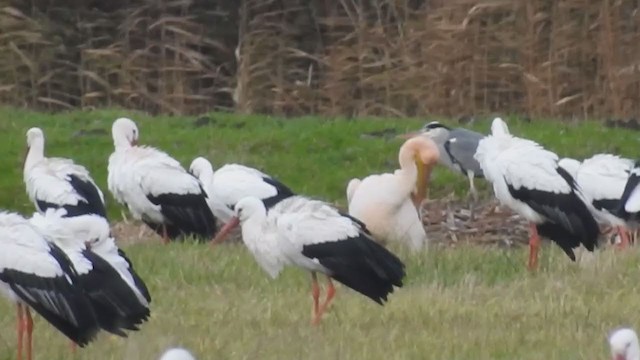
(457, 148)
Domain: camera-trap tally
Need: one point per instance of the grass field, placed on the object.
(463, 303)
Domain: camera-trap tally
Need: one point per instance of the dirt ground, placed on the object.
(448, 222)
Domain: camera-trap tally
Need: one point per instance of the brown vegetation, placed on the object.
(565, 58)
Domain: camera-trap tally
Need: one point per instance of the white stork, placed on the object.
(156, 188)
(602, 179)
(383, 202)
(315, 236)
(177, 354)
(59, 183)
(232, 182)
(527, 179)
(117, 299)
(624, 345)
(36, 274)
(629, 209)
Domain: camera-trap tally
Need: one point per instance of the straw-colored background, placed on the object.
(564, 58)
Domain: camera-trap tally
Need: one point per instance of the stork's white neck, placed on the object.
(35, 153)
(252, 227)
(120, 141)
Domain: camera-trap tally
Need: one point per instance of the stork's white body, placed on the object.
(137, 172)
(232, 182)
(602, 179)
(58, 182)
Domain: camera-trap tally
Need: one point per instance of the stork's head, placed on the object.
(624, 345)
(244, 209)
(200, 166)
(248, 207)
(499, 127)
(424, 153)
(35, 140)
(433, 130)
(124, 132)
(177, 354)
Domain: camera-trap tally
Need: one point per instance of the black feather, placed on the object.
(361, 264)
(91, 205)
(63, 304)
(632, 184)
(116, 305)
(283, 192)
(569, 222)
(185, 215)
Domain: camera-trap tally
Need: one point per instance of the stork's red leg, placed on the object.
(20, 328)
(315, 292)
(28, 324)
(534, 245)
(624, 237)
(165, 236)
(331, 292)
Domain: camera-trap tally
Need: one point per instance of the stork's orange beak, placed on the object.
(409, 135)
(226, 229)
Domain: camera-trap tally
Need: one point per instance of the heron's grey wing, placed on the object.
(461, 150)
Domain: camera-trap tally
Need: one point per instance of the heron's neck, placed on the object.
(35, 154)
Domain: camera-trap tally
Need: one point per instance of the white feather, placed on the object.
(276, 238)
(508, 160)
(227, 185)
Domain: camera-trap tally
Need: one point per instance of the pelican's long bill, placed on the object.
(226, 229)
(422, 181)
(409, 135)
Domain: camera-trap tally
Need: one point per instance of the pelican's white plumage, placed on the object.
(383, 201)
(111, 285)
(232, 182)
(59, 183)
(526, 178)
(36, 274)
(624, 345)
(315, 236)
(156, 188)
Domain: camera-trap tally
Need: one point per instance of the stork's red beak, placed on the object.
(619, 357)
(226, 229)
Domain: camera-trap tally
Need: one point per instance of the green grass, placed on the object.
(467, 303)
(314, 156)
(463, 303)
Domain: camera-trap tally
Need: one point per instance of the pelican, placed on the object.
(528, 179)
(384, 202)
